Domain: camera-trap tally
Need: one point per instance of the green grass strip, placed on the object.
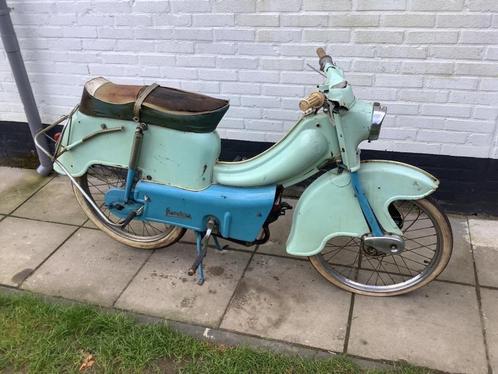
(40, 337)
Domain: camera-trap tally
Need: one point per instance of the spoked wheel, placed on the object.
(350, 265)
(139, 234)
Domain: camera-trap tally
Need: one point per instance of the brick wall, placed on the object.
(433, 62)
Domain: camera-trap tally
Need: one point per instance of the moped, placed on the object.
(143, 162)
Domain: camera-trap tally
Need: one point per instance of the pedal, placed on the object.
(131, 216)
(284, 207)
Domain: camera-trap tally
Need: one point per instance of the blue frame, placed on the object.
(239, 212)
(365, 206)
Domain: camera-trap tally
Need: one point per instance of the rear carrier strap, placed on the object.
(142, 95)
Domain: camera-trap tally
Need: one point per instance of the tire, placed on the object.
(394, 270)
(153, 235)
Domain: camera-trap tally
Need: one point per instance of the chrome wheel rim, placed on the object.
(97, 181)
(364, 270)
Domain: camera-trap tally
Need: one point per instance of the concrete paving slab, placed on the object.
(54, 202)
(24, 246)
(461, 267)
(162, 287)
(437, 326)
(489, 299)
(484, 238)
(484, 232)
(89, 267)
(285, 299)
(16, 185)
(487, 263)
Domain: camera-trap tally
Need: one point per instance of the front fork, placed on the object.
(382, 242)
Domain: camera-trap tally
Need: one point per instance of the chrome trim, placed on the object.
(43, 131)
(378, 114)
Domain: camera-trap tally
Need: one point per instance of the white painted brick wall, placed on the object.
(433, 62)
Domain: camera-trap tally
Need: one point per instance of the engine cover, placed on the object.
(239, 212)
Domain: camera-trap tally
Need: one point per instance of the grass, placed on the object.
(40, 337)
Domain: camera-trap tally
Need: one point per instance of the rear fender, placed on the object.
(329, 207)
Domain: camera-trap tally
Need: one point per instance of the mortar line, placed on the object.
(50, 179)
(479, 302)
(493, 288)
(133, 278)
(237, 287)
(46, 258)
(348, 325)
(46, 221)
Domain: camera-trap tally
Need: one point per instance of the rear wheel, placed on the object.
(350, 265)
(138, 234)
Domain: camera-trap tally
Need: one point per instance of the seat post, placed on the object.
(135, 154)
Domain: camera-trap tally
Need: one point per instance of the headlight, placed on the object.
(378, 114)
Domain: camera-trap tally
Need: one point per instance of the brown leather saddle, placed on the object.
(153, 105)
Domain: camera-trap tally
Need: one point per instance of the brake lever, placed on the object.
(316, 70)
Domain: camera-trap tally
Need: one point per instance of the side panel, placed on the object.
(309, 143)
(171, 157)
(329, 208)
(240, 212)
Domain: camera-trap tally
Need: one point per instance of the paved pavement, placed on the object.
(48, 247)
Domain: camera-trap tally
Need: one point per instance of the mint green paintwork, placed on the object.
(189, 160)
(308, 144)
(176, 158)
(328, 207)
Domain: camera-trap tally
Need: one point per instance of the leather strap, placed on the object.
(140, 99)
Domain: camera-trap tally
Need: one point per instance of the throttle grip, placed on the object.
(314, 100)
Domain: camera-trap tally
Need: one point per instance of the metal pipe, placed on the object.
(13, 51)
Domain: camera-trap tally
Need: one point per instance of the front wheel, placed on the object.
(352, 266)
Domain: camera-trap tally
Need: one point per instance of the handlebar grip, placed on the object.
(324, 58)
(321, 52)
(314, 100)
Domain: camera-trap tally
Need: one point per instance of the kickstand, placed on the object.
(201, 253)
(201, 245)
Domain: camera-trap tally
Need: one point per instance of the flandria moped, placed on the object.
(143, 161)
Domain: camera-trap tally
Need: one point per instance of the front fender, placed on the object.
(329, 207)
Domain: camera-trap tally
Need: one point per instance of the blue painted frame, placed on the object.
(365, 205)
(239, 212)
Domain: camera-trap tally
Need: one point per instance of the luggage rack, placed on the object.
(60, 149)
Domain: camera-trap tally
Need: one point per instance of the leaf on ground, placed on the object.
(88, 362)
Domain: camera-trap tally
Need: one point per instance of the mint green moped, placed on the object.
(143, 161)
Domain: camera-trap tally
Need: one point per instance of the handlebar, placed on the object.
(321, 52)
(324, 58)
